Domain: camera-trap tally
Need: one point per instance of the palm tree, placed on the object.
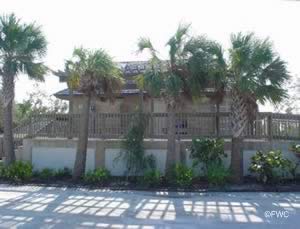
(219, 80)
(97, 75)
(256, 73)
(72, 82)
(185, 74)
(21, 48)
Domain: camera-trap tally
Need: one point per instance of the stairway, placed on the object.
(28, 128)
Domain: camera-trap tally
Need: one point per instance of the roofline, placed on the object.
(118, 95)
(208, 92)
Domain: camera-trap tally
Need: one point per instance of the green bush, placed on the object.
(151, 178)
(292, 168)
(207, 151)
(180, 175)
(99, 175)
(46, 174)
(63, 173)
(295, 148)
(268, 166)
(19, 171)
(133, 154)
(2, 171)
(217, 174)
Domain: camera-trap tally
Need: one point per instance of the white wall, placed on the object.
(58, 158)
(60, 153)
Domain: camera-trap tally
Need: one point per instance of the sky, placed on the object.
(116, 25)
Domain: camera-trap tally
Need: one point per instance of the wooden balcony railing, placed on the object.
(188, 125)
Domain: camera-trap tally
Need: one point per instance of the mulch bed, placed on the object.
(120, 184)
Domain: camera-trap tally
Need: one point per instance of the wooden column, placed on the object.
(270, 132)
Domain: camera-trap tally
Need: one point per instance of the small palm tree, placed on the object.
(255, 74)
(185, 74)
(72, 82)
(21, 48)
(97, 76)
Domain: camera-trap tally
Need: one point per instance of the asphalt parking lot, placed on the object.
(50, 207)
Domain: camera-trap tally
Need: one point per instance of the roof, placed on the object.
(63, 94)
(129, 69)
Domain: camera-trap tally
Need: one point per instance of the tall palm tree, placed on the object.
(21, 48)
(256, 73)
(98, 76)
(183, 75)
(218, 79)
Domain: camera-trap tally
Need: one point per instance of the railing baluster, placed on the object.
(188, 125)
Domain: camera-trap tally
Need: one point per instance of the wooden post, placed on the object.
(102, 125)
(270, 132)
(218, 120)
(151, 119)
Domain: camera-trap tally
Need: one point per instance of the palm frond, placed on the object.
(94, 71)
(177, 42)
(256, 68)
(35, 71)
(145, 43)
(21, 47)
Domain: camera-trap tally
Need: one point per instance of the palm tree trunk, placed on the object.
(71, 112)
(239, 120)
(80, 160)
(8, 139)
(71, 102)
(171, 148)
(8, 135)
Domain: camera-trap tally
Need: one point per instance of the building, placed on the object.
(129, 99)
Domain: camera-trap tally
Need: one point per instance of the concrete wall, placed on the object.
(59, 158)
(58, 153)
(117, 166)
(1, 148)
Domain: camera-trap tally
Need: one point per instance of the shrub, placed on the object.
(63, 173)
(99, 175)
(134, 152)
(151, 177)
(292, 167)
(207, 151)
(217, 174)
(295, 148)
(19, 171)
(46, 174)
(180, 175)
(2, 171)
(267, 165)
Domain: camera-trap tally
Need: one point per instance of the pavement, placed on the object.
(53, 207)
